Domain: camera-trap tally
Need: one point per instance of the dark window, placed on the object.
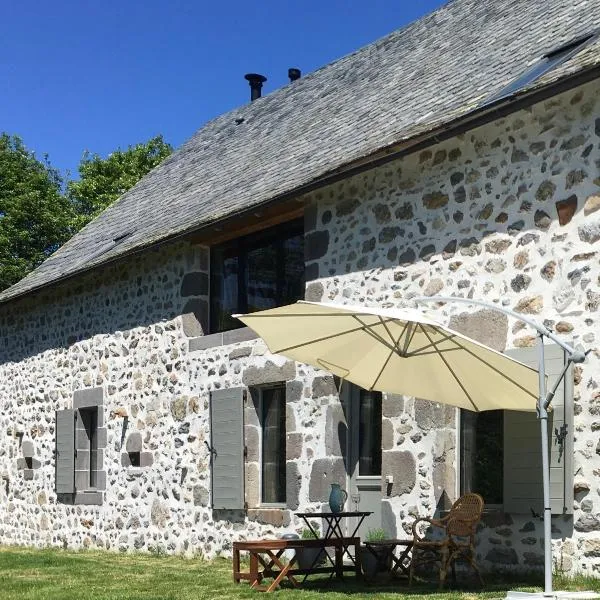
(257, 272)
(369, 451)
(545, 64)
(481, 454)
(134, 458)
(89, 419)
(273, 445)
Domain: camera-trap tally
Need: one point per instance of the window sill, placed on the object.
(90, 497)
(214, 340)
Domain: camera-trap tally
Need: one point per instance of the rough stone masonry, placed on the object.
(506, 213)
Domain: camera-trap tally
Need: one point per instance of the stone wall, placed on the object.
(506, 213)
(120, 329)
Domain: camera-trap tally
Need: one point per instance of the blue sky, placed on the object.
(83, 75)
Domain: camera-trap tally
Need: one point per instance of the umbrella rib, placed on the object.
(446, 336)
(381, 338)
(487, 364)
(384, 323)
(434, 351)
(329, 337)
(394, 350)
(368, 330)
(462, 387)
(409, 339)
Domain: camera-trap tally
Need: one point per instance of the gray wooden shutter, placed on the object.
(227, 442)
(522, 443)
(65, 452)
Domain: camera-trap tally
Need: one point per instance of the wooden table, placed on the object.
(266, 560)
(332, 528)
(384, 550)
(333, 521)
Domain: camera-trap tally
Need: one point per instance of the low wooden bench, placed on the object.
(266, 560)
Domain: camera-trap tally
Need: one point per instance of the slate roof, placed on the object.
(424, 75)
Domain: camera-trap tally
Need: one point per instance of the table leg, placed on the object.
(236, 565)
(399, 562)
(268, 566)
(254, 576)
(360, 520)
(283, 571)
(336, 528)
(339, 562)
(357, 563)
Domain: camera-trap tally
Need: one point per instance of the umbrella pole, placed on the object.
(542, 413)
(574, 356)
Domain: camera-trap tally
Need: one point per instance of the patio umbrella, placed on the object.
(397, 351)
(405, 352)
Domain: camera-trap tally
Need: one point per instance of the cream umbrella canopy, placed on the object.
(397, 351)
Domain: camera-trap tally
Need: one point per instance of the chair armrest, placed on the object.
(435, 522)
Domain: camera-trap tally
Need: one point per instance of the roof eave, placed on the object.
(480, 115)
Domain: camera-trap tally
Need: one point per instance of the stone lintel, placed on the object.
(27, 449)
(213, 340)
(88, 398)
(269, 373)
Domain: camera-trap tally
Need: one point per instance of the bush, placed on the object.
(307, 534)
(376, 535)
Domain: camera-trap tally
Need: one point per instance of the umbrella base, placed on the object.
(558, 595)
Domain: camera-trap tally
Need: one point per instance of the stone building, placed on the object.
(459, 156)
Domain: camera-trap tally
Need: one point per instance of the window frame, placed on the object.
(83, 487)
(377, 398)
(241, 247)
(462, 489)
(542, 66)
(261, 390)
(89, 416)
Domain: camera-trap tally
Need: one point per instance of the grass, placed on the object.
(27, 574)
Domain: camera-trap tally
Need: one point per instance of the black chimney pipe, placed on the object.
(256, 81)
(294, 74)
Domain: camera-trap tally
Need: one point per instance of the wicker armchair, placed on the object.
(455, 539)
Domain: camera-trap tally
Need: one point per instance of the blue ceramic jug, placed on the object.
(337, 498)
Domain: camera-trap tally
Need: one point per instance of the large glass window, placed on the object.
(481, 454)
(369, 437)
(256, 272)
(273, 445)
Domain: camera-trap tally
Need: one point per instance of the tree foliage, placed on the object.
(103, 180)
(35, 217)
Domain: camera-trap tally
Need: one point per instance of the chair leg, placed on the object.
(411, 569)
(476, 569)
(444, 563)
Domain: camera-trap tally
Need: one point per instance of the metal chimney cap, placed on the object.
(255, 77)
(294, 73)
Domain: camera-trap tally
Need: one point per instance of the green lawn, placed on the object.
(61, 575)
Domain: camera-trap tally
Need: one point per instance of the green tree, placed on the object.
(103, 180)
(35, 218)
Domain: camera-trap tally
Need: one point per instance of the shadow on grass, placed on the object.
(496, 586)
